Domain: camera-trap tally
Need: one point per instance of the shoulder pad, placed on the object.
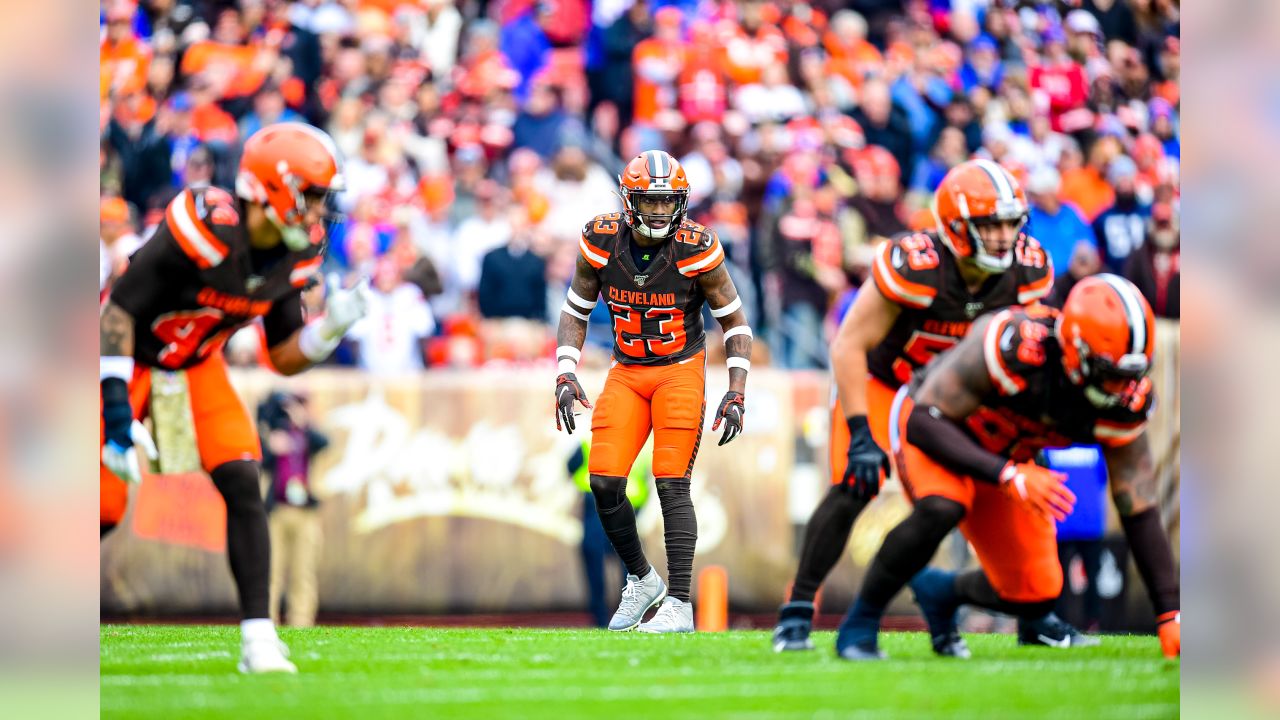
(598, 238)
(1013, 345)
(697, 249)
(1034, 268)
(906, 269)
(200, 220)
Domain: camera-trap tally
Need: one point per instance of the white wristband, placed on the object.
(739, 330)
(569, 351)
(115, 366)
(586, 304)
(727, 309)
(313, 344)
(569, 309)
(738, 362)
(566, 366)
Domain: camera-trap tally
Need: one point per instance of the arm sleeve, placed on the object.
(944, 441)
(283, 320)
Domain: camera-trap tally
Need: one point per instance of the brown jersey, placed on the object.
(656, 312)
(1032, 404)
(197, 281)
(918, 273)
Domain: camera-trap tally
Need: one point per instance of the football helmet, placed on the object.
(1107, 333)
(283, 167)
(653, 174)
(973, 193)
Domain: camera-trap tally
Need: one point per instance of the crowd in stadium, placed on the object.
(479, 137)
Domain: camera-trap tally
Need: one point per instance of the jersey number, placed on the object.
(920, 252)
(1029, 255)
(607, 224)
(692, 236)
(628, 329)
(920, 349)
(185, 333)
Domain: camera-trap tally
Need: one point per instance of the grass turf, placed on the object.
(189, 672)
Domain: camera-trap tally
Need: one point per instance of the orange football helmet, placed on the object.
(653, 174)
(1107, 333)
(971, 194)
(285, 165)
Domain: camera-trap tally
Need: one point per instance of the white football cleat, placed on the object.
(637, 597)
(675, 616)
(264, 655)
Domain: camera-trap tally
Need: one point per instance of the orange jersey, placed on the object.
(746, 56)
(124, 65)
(656, 312)
(657, 66)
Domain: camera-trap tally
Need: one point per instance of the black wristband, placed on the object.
(857, 423)
(115, 390)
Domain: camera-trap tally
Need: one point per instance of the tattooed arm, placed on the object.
(1131, 470)
(728, 311)
(115, 337)
(583, 295)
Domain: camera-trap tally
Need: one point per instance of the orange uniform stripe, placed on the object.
(203, 229)
(896, 287)
(1035, 290)
(715, 245)
(183, 242)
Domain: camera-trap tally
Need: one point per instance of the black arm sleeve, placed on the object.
(944, 441)
(283, 320)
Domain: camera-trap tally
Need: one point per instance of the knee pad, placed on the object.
(239, 484)
(610, 492)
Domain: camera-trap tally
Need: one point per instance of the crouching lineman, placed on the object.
(655, 269)
(964, 436)
(215, 264)
(927, 289)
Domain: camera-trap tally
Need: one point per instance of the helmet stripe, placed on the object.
(1004, 189)
(1132, 310)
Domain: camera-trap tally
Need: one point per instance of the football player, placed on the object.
(216, 263)
(965, 433)
(655, 269)
(928, 288)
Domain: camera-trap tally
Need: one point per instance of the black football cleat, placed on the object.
(859, 651)
(935, 594)
(1053, 631)
(795, 622)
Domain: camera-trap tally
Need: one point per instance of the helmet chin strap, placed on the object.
(983, 259)
(655, 233)
(294, 237)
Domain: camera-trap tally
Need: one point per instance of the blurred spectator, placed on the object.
(476, 236)
(268, 108)
(876, 213)
(435, 34)
(541, 121)
(948, 152)
(1156, 267)
(1057, 225)
(116, 228)
(983, 68)
(808, 256)
(1086, 188)
(885, 123)
(289, 444)
(1084, 262)
(513, 279)
(772, 99)
(577, 190)
(390, 336)
(658, 61)
(1122, 227)
(1060, 84)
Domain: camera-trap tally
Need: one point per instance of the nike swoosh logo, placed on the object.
(1065, 642)
(563, 390)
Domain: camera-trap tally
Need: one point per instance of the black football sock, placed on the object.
(907, 549)
(680, 533)
(1154, 558)
(248, 540)
(974, 588)
(825, 538)
(619, 521)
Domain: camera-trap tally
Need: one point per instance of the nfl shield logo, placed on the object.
(972, 309)
(641, 280)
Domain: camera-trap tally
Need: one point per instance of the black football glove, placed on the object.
(866, 460)
(567, 390)
(732, 408)
(123, 434)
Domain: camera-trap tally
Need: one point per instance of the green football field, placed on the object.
(365, 673)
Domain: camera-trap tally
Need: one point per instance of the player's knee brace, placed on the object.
(610, 492)
(239, 485)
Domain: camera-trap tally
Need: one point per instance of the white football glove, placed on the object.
(124, 461)
(343, 306)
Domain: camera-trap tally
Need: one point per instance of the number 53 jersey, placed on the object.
(194, 283)
(919, 274)
(656, 312)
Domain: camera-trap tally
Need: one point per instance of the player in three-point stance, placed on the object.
(654, 268)
(965, 434)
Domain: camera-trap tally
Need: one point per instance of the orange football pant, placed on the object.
(879, 400)
(670, 400)
(224, 430)
(1018, 549)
